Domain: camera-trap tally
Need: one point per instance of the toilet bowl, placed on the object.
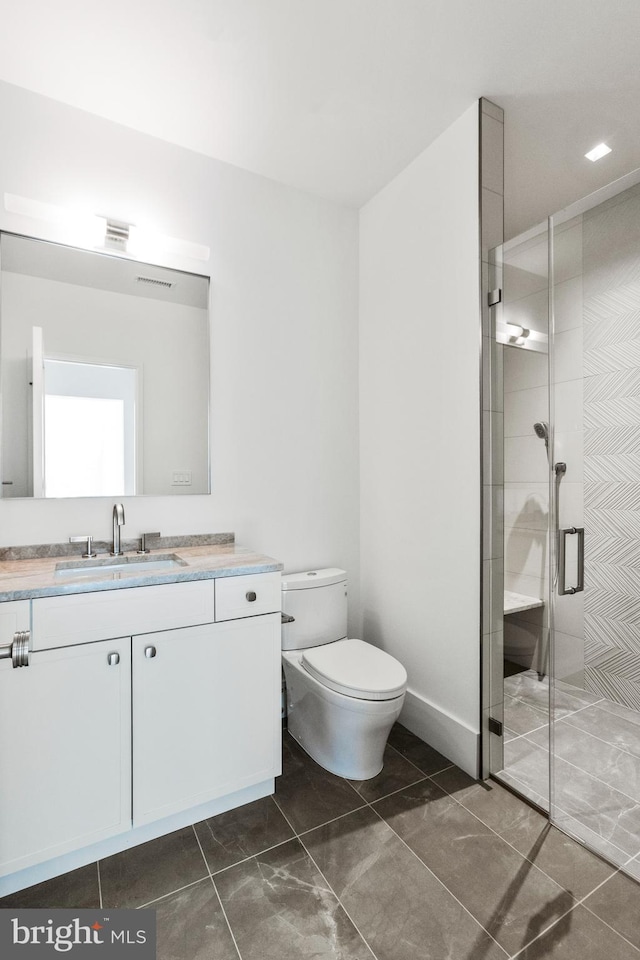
(343, 695)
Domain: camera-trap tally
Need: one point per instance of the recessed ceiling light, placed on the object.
(600, 151)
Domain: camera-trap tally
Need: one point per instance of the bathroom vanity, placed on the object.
(151, 700)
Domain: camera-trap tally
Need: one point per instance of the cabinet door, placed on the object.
(65, 759)
(206, 713)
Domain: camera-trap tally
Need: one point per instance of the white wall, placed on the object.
(284, 333)
(420, 430)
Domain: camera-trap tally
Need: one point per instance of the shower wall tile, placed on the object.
(568, 355)
(569, 657)
(524, 459)
(569, 447)
(569, 402)
(571, 504)
(530, 312)
(568, 251)
(525, 407)
(526, 552)
(612, 445)
(526, 268)
(569, 615)
(524, 369)
(526, 505)
(528, 586)
(568, 304)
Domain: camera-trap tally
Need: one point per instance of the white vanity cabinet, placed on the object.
(65, 759)
(206, 717)
(138, 705)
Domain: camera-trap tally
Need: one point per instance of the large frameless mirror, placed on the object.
(104, 374)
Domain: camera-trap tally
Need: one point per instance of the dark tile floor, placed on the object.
(420, 863)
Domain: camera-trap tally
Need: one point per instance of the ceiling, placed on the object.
(335, 97)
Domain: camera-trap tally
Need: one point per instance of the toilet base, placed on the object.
(344, 735)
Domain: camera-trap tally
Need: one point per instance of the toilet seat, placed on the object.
(356, 669)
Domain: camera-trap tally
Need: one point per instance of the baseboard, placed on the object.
(454, 739)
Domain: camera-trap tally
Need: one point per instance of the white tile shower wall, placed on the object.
(526, 496)
(612, 440)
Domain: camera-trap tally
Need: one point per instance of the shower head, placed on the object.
(542, 430)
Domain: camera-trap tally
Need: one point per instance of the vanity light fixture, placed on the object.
(598, 152)
(92, 232)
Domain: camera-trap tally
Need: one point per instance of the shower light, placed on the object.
(598, 152)
(516, 332)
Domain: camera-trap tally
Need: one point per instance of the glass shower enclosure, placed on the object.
(566, 372)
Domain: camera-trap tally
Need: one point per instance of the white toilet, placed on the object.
(343, 696)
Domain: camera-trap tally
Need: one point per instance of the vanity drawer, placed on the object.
(247, 596)
(87, 617)
(14, 616)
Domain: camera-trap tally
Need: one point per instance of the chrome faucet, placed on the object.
(118, 521)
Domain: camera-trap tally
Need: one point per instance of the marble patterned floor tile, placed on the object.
(78, 889)
(151, 870)
(600, 845)
(416, 750)
(192, 926)
(396, 773)
(459, 849)
(523, 790)
(528, 763)
(497, 807)
(617, 902)
(566, 861)
(615, 767)
(580, 936)
(279, 907)
(307, 794)
(396, 902)
(616, 730)
(521, 717)
(631, 716)
(584, 696)
(241, 833)
(605, 811)
(527, 687)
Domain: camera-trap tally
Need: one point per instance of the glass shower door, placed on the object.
(594, 387)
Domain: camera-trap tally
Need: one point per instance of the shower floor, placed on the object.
(596, 762)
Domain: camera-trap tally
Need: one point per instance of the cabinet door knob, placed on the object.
(150, 652)
(250, 595)
(113, 659)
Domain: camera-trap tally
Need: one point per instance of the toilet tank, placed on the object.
(317, 600)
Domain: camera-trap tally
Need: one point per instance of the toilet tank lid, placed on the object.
(313, 578)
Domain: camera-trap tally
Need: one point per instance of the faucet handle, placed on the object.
(85, 539)
(143, 541)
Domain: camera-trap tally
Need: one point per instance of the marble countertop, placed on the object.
(27, 579)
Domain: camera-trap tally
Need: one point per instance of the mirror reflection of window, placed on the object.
(89, 429)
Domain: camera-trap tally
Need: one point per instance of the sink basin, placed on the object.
(112, 566)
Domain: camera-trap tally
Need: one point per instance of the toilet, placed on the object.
(343, 695)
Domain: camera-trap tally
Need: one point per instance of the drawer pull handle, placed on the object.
(251, 596)
(113, 659)
(18, 650)
(150, 652)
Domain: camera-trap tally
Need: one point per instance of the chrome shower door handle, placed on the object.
(563, 590)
